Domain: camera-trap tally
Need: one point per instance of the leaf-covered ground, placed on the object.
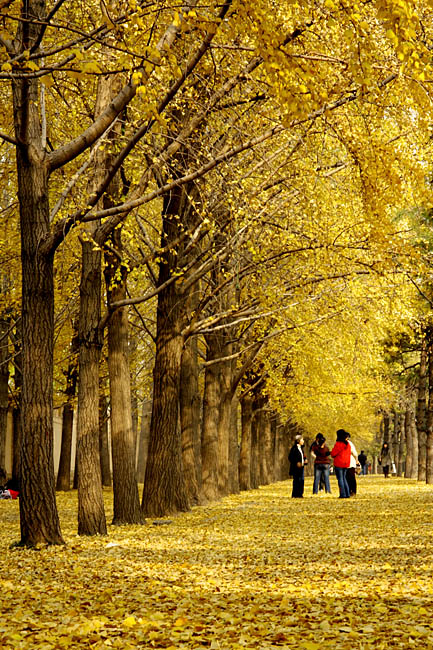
(257, 570)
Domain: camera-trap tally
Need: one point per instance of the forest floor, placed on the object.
(257, 570)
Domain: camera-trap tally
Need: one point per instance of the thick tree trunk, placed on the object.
(421, 421)
(245, 451)
(38, 510)
(164, 489)
(91, 514)
(189, 399)
(126, 505)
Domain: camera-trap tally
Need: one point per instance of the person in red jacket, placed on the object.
(341, 455)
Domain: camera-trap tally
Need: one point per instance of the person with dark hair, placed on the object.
(297, 462)
(341, 455)
(351, 470)
(385, 459)
(362, 459)
(321, 463)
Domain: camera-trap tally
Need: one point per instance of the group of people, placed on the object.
(9, 489)
(346, 462)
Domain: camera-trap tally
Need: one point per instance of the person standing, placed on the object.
(351, 470)
(321, 463)
(341, 455)
(385, 459)
(362, 459)
(297, 462)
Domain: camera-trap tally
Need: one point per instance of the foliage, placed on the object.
(257, 570)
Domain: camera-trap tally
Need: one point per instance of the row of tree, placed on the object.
(206, 192)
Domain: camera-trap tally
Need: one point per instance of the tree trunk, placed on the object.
(189, 399)
(143, 443)
(16, 411)
(234, 448)
(164, 489)
(400, 461)
(104, 445)
(245, 451)
(421, 422)
(255, 462)
(429, 418)
(411, 469)
(210, 448)
(4, 390)
(126, 505)
(38, 510)
(91, 514)
(64, 472)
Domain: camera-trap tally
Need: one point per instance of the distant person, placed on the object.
(351, 470)
(297, 461)
(341, 455)
(362, 459)
(385, 459)
(322, 462)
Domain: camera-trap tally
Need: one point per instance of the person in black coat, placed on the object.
(297, 461)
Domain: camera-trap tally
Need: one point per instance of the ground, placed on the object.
(255, 571)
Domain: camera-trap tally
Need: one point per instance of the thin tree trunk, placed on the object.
(245, 451)
(410, 444)
(209, 449)
(255, 462)
(429, 418)
(189, 399)
(4, 387)
(402, 442)
(234, 448)
(64, 471)
(104, 445)
(421, 421)
(16, 411)
(143, 443)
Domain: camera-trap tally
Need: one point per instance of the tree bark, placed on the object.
(104, 446)
(234, 448)
(189, 399)
(421, 421)
(245, 451)
(64, 471)
(143, 443)
(4, 387)
(211, 403)
(400, 461)
(126, 504)
(429, 418)
(91, 514)
(164, 489)
(38, 510)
